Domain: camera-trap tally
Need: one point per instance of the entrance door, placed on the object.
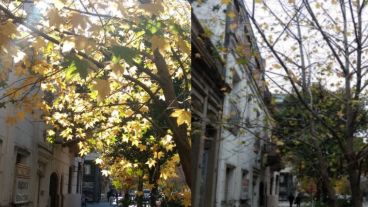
(53, 190)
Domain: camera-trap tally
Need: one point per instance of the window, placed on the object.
(70, 180)
(234, 117)
(244, 185)
(271, 185)
(229, 183)
(87, 169)
(21, 159)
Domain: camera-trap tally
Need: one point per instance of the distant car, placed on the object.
(120, 199)
(132, 195)
(146, 196)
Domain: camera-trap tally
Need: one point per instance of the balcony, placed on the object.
(272, 158)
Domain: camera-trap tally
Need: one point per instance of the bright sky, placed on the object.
(329, 15)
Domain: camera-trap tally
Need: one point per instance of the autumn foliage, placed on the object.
(98, 69)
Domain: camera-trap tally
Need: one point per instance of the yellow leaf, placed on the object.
(187, 198)
(59, 4)
(149, 186)
(39, 43)
(183, 46)
(11, 120)
(233, 26)
(20, 69)
(151, 162)
(8, 29)
(159, 43)
(169, 147)
(21, 115)
(39, 67)
(226, 2)
(135, 142)
(158, 155)
(279, 143)
(231, 14)
(54, 18)
(98, 160)
(142, 147)
(116, 68)
(78, 20)
(183, 116)
(103, 89)
(153, 8)
(277, 66)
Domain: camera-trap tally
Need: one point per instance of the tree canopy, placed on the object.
(100, 71)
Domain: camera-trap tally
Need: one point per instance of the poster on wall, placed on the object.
(22, 184)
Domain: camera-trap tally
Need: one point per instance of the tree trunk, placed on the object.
(326, 180)
(181, 137)
(356, 192)
(139, 197)
(331, 196)
(154, 195)
(154, 176)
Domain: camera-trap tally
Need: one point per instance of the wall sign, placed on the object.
(22, 184)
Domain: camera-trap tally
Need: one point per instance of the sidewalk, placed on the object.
(286, 204)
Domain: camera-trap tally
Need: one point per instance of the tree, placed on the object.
(98, 65)
(298, 145)
(325, 41)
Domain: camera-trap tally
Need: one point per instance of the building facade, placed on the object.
(34, 172)
(207, 97)
(238, 165)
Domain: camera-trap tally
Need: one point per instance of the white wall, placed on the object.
(28, 135)
(210, 19)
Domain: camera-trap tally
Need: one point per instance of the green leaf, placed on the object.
(76, 65)
(153, 27)
(242, 61)
(49, 48)
(126, 53)
(70, 71)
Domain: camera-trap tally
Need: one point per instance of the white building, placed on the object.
(247, 165)
(33, 172)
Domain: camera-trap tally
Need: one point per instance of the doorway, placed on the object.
(54, 201)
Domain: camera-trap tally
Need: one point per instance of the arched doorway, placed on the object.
(53, 190)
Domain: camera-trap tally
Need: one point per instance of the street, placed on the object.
(105, 204)
(286, 204)
(100, 204)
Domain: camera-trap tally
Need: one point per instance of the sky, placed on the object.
(321, 67)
